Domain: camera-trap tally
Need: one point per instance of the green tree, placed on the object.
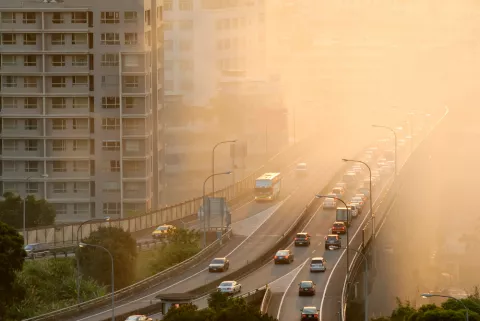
(48, 285)
(12, 257)
(38, 212)
(95, 262)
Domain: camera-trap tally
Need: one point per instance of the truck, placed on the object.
(343, 215)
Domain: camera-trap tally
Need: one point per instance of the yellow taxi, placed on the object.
(162, 231)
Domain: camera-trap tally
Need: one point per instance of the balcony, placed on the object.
(68, 132)
(18, 88)
(22, 23)
(67, 153)
(65, 22)
(20, 68)
(67, 87)
(21, 132)
(20, 112)
(68, 174)
(22, 154)
(69, 111)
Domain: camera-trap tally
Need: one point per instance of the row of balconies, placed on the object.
(68, 132)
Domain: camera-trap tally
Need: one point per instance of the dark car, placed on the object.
(283, 256)
(302, 239)
(339, 228)
(219, 264)
(333, 240)
(309, 314)
(306, 288)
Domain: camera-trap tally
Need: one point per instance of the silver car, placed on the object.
(318, 264)
(329, 203)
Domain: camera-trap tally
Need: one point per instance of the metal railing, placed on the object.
(266, 300)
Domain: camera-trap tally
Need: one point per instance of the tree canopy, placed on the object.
(220, 308)
(38, 212)
(96, 263)
(12, 257)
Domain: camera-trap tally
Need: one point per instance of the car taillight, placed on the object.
(286, 256)
(304, 315)
(315, 315)
(275, 257)
(296, 238)
(229, 289)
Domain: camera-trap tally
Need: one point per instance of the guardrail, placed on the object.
(140, 286)
(266, 300)
(68, 233)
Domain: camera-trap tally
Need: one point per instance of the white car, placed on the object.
(330, 203)
(138, 318)
(353, 209)
(342, 185)
(229, 287)
(338, 191)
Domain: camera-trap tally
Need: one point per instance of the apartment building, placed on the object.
(81, 93)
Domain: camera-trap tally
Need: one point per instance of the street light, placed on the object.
(213, 160)
(348, 220)
(25, 206)
(429, 295)
(394, 134)
(371, 197)
(365, 302)
(204, 214)
(112, 276)
(107, 218)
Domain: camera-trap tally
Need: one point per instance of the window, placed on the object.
(8, 17)
(60, 209)
(79, 61)
(129, 102)
(10, 166)
(168, 44)
(31, 167)
(8, 102)
(9, 82)
(186, 24)
(58, 82)
(10, 187)
(167, 5)
(59, 187)
(185, 45)
(30, 103)
(109, 59)
(110, 81)
(31, 145)
(10, 145)
(109, 17)
(110, 102)
(57, 17)
(80, 102)
(80, 81)
(148, 38)
(32, 187)
(59, 124)
(81, 209)
(111, 187)
(58, 39)
(185, 5)
(9, 39)
(80, 187)
(168, 85)
(131, 81)
(114, 166)
(130, 16)
(132, 146)
(110, 38)
(81, 166)
(59, 145)
(9, 123)
(167, 25)
(110, 123)
(147, 17)
(9, 60)
(133, 124)
(131, 38)
(31, 124)
(131, 61)
(29, 39)
(134, 166)
(79, 38)
(80, 124)
(59, 166)
(29, 82)
(185, 65)
(79, 17)
(29, 60)
(29, 17)
(58, 60)
(111, 145)
(58, 102)
(111, 208)
(81, 145)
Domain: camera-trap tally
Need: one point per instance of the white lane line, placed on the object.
(313, 251)
(300, 267)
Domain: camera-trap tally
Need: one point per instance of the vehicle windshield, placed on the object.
(331, 238)
(336, 190)
(309, 310)
(301, 236)
(263, 183)
(282, 253)
(29, 247)
(317, 262)
(301, 166)
(226, 284)
(338, 225)
(263, 190)
(162, 228)
(218, 261)
(306, 284)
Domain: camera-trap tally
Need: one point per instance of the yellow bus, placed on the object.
(267, 187)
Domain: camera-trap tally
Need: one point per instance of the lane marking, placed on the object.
(300, 267)
(313, 251)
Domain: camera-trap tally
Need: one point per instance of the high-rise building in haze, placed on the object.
(81, 98)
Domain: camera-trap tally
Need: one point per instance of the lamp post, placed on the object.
(365, 302)
(204, 212)
(112, 275)
(25, 206)
(429, 295)
(76, 256)
(394, 134)
(213, 160)
(348, 222)
(370, 187)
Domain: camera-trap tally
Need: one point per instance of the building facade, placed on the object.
(81, 97)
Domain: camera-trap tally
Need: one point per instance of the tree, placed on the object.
(95, 262)
(37, 212)
(12, 257)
